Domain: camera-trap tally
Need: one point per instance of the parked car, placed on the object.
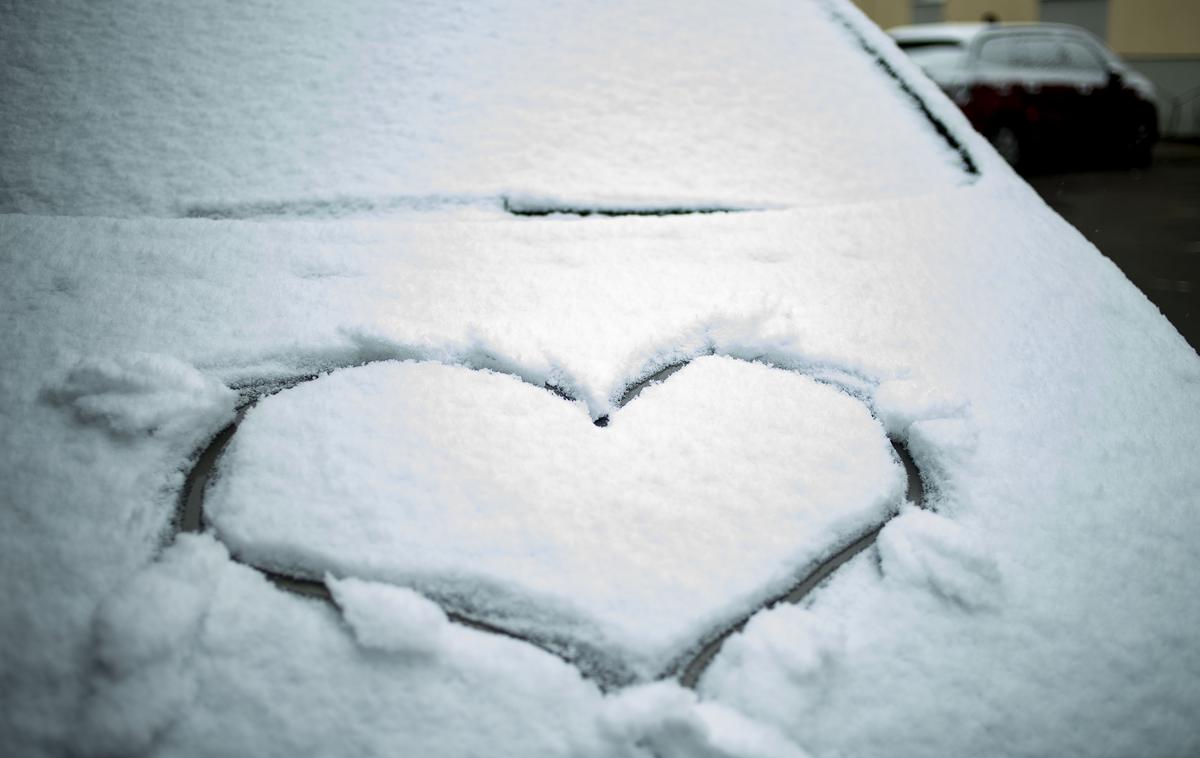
(1039, 91)
(455, 379)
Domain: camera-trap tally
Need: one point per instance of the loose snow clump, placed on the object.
(672, 723)
(931, 552)
(143, 639)
(389, 618)
(900, 403)
(792, 650)
(141, 393)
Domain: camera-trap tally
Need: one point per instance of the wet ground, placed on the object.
(1146, 221)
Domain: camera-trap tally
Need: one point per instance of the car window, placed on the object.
(1037, 52)
(1080, 57)
(1023, 51)
(998, 51)
(934, 54)
(1042, 57)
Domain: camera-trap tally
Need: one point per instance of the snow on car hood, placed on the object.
(1052, 412)
(1050, 408)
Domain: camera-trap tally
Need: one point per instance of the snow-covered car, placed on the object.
(1039, 90)
(534, 379)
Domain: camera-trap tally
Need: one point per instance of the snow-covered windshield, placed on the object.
(266, 108)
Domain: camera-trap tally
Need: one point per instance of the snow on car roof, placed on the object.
(1036, 597)
(303, 107)
(964, 32)
(949, 32)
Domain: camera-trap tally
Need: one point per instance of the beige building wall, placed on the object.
(887, 13)
(1006, 10)
(1154, 27)
(1161, 38)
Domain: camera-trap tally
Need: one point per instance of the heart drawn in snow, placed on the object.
(623, 547)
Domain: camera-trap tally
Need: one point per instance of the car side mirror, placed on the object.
(1115, 80)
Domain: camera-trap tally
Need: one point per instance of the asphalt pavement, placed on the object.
(1147, 221)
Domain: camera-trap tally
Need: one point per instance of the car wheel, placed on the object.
(1007, 142)
(1139, 150)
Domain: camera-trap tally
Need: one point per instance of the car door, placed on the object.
(1052, 91)
(1018, 86)
(1099, 106)
(996, 96)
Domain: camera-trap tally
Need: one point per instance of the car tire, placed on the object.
(1139, 146)
(1009, 144)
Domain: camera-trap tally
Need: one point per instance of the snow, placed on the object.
(212, 660)
(672, 723)
(700, 499)
(387, 617)
(795, 655)
(1045, 607)
(1062, 448)
(141, 393)
(194, 623)
(231, 110)
(934, 553)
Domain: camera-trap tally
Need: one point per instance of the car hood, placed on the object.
(873, 244)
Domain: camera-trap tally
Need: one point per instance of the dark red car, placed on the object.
(1039, 92)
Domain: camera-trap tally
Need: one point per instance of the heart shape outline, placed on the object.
(606, 672)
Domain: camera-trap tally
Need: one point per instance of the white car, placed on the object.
(1039, 92)
(476, 379)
